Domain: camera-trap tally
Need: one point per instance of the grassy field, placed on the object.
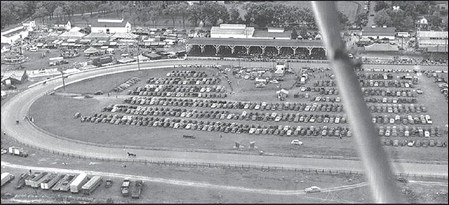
(55, 114)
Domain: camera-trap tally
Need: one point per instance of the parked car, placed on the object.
(312, 189)
(108, 183)
(296, 142)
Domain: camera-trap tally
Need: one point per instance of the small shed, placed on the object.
(14, 78)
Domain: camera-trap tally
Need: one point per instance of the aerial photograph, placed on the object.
(224, 102)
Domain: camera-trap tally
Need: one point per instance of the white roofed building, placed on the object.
(272, 33)
(14, 34)
(231, 31)
(110, 26)
(432, 41)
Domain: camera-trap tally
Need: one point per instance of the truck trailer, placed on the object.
(65, 186)
(51, 181)
(33, 181)
(65, 178)
(91, 185)
(80, 180)
(17, 151)
(21, 182)
(37, 183)
(6, 178)
(30, 178)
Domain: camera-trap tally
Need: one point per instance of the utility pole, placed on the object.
(63, 77)
(63, 81)
(138, 56)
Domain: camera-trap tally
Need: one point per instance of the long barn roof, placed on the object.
(254, 42)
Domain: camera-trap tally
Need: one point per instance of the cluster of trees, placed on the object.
(209, 13)
(408, 13)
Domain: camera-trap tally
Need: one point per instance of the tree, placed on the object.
(234, 15)
(304, 34)
(214, 11)
(435, 20)
(343, 19)
(58, 12)
(294, 34)
(381, 5)
(172, 11)
(383, 18)
(195, 14)
(361, 19)
(40, 13)
(103, 8)
(408, 24)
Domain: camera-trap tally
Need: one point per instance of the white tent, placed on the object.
(72, 34)
(282, 91)
(91, 50)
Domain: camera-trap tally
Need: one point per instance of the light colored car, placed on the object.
(312, 189)
(296, 142)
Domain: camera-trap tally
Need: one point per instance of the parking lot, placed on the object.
(199, 102)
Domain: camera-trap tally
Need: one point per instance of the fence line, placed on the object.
(227, 165)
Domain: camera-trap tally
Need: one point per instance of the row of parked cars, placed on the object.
(392, 83)
(414, 143)
(391, 100)
(400, 131)
(223, 104)
(254, 116)
(187, 73)
(397, 108)
(404, 119)
(375, 76)
(390, 92)
(126, 84)
(177, 88)
(179, 94)
(184, 81)
(226, 127)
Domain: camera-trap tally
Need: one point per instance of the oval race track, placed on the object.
(18, 106)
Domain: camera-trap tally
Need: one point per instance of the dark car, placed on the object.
(108, 183)
(402, 179)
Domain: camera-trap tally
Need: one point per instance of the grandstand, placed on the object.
(251, 47)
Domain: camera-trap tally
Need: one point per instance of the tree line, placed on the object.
(262, 14)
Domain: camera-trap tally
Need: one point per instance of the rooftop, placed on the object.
(109, 23)
(268, 34)
(434, 34)
(248, 31)
(254, 42)
(14, 31)
(381, 31)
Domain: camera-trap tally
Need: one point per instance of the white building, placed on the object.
(231, 31)
(111, 26)
(30, 25)
(67, 26)
(272, 33)
(378, 33)
(14, 34)
(432, 41)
